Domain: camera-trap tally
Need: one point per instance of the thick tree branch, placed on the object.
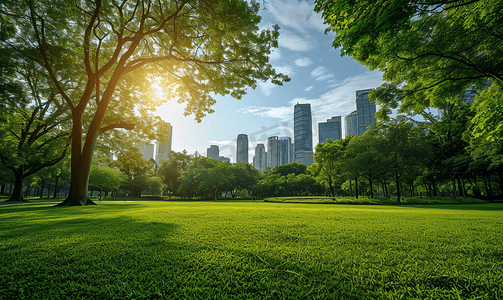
(121, 124)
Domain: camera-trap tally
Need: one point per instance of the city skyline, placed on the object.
(319, 76)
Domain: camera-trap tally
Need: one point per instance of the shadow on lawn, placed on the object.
(482, 206)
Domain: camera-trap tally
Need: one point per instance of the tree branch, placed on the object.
(121, 124)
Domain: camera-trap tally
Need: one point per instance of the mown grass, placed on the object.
(376, 200)
(251, 250)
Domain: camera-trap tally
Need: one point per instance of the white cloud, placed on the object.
(296, 14)
(303, 62)
(339, 101)
(275, 55)
(319, 71)
(282, 112)
(324, 77)
(293, 42)
(285, 70)
(266, 87)
(309, 88)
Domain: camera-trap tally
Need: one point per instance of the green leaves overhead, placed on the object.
(430, 51)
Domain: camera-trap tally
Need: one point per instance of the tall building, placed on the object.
(163, 149)
(147, 150)
(272, 151)
(365, 111)
(331, 129)
(242, 148)
(307, 158)
(302, 130)
(351, 123)
(285, 150)
(259, 160)
(213, 152)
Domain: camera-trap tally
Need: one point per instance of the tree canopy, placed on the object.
(103, 57)
(430, 51)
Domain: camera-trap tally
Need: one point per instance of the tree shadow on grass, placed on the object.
(482, 206)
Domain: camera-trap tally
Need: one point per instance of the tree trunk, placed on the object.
(454, 188)
(490, 187)
(371, 189)
(397, 181)
(56, 187)
(17, 194)
(350, 188)
(3, 189)
(500, 173)
(81, 162)
(356, 187)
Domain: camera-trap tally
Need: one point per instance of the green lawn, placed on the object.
(246, 250)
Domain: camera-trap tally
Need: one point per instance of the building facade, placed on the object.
(351, 123)
(365, 111)
(285, 150)
(147, 150)
(331, 129)
(272, 151)
(259, 160)
(163, 149)
(302, 130)
(213, 152)
(242, 148)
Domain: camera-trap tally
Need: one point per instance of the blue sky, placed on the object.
(319, 75)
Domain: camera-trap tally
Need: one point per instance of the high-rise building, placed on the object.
(331, 129)
(213, 152)
(147, 150)
(365, 111)
(285, 151)
(272, 152)
(302, 130)
(163, 149)
(351, 123)
(242, 148)
(259, 160)
(307, 158)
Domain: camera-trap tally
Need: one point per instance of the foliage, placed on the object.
(429, 51)
(252, 250)
(111, 54)
(106, 177)
(171, 169)
(290, 168)
(206, 177)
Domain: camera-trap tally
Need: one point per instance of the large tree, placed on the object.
(103, 57)
(430, 51)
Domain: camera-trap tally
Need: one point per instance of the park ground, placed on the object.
(251, 250)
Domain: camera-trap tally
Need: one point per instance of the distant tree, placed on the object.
(290, 168)
(365, 157)
(111, 53)
(135, 167)
(106, 177)
(206, 177)
(170, 171)
(328, 159)
(244, 177)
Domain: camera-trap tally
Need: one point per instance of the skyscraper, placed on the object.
(302, 130)
(213, 152)
(147, 150)
(365, 111)
(331, 129)
(163, 149)
(272, 152)
(351, 122)
(259, 160)
(285, 144)
(242, 148)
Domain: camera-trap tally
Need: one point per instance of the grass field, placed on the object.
(251, 250)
